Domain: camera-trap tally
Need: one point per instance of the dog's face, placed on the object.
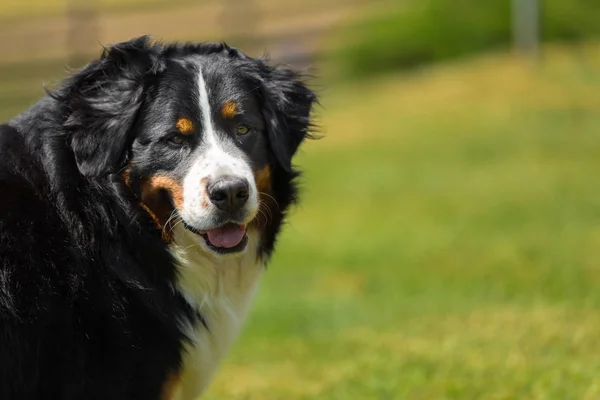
(202, 134)
(200, 151)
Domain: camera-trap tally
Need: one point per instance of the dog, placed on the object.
(141, 200)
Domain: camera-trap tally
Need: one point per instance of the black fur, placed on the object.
(87, 309)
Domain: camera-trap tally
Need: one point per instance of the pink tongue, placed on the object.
(226, 236)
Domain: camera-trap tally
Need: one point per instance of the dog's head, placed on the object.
(202, 134)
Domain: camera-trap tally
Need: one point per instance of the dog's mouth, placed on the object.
(225, 239)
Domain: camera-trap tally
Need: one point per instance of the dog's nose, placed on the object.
(228, 193)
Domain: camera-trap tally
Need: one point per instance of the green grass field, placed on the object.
(447, 245)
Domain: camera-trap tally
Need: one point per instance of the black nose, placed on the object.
(228, 193)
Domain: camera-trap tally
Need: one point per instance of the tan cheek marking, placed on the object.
(170, 387)
(185, 126)
(229, 110)
(159, 182)
(159, 209)
(267, 203)
(263, 179)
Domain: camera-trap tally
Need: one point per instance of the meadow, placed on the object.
(447, 245)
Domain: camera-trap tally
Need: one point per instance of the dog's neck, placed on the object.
(220, 288)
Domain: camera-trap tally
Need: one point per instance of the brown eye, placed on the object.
(176, 140)
(242, 130)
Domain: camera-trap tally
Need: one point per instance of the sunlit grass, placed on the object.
(491, 353)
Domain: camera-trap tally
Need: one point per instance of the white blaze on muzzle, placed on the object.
(217, 159)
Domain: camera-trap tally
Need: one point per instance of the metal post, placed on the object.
(525, 24)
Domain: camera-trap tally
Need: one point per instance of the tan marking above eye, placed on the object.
(185, 125)
(229, 110)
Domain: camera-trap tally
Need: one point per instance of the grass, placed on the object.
(447, 245)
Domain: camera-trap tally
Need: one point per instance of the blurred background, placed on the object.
(448, 241)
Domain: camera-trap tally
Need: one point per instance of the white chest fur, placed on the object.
(221, 289)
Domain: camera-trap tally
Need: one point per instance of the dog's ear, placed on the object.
(287, 105)
(102, 101)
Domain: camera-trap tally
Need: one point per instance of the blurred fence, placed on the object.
(39, 38)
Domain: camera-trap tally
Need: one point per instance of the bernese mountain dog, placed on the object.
(139, 203)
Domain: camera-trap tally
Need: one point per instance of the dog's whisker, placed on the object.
(267, 213)
(174, 215)
(271, 197)
(267, 209)
(189, 247)
(177, 223)
(266, 219)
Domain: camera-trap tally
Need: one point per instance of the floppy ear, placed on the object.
(287, 106)
(102, 102)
